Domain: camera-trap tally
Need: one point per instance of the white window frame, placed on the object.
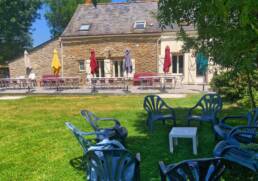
(82, 70)
(99, 70)
(139, 22)
(85, 27)
(120, 63)
(177, 63)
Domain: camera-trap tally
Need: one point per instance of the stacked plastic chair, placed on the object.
(112, 165)
(240, 144)
(106, 160)
(116, 132)
(208, 169)
(224, 130)
(241, 147)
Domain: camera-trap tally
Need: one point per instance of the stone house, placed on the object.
(40, 58)
(110, 29)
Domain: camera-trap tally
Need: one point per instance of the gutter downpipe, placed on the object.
(159, 40)
(62, 58)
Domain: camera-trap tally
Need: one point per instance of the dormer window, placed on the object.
(140, 25)
(85, 27)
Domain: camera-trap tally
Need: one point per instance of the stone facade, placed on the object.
(40, 59)
(143, 53)
(147, 53)
(111, 30)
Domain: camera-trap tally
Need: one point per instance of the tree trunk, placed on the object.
(250, 90)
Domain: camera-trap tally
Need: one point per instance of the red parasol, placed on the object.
(167, 60)
(93, 62)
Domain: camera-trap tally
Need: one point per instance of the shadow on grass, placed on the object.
(154, 146)
(77, 163)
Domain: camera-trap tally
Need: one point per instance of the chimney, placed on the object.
(88, 1)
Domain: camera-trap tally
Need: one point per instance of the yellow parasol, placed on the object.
(56, 66)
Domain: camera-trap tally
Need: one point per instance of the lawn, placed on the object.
(35, 144)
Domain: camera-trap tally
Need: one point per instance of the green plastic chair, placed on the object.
(157, 110)
(207, 169)
(224, 130)
(80, 136)
(112, 165)
(206, 109)
(242, 153)
(115, 132)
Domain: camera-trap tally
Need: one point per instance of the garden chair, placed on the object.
(80, 136)
(208, 169)
(112, 165)
(223, 130)
(157, 110)
(240, 151)
(88, 144)
(206, 109)
(114, 132)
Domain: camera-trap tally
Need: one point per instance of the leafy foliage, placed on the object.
(60, 12)
(234, 85)
(227, 30)
(16, 18)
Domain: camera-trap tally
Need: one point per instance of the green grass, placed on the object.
(35, 144)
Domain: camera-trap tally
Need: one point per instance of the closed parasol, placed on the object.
(167, 60)
(93, 62)
(127, 65)
(56, 66)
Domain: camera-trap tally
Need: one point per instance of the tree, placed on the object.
(227, 31)
(60, 12)
(16, 18)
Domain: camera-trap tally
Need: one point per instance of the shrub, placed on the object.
(234, 86)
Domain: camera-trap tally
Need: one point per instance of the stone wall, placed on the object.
(143, 51)
(40, 58)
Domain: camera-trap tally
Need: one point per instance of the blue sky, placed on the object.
(40, 30)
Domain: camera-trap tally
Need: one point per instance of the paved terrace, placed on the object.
(185, 89)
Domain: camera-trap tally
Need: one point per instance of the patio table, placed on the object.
(163, 81)
(108, 82)
(18, 83)
(183, 132)
(61, 82)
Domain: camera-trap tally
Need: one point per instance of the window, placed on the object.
(177, 64)
(140, 25)
(118, 68)
(85, 27)
(81, 65)
(101, 71)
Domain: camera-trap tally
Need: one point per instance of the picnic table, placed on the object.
(108, 83)
(18, 83)
(160, 81)
(59, 82)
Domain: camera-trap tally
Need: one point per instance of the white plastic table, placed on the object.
(183, 132)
